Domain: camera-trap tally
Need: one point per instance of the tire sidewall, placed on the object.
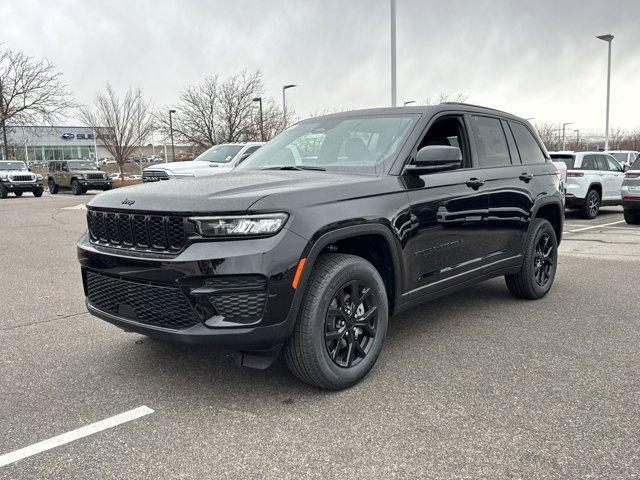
(592, 193)
(335, 374)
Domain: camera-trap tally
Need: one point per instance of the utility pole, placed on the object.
(173, 149)
(607, 38)
(564, 125)
(284, 104)
(259, 100)
(577, 132)
(393, 54)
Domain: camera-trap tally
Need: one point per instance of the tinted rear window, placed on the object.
(569, 160)
(530, 151)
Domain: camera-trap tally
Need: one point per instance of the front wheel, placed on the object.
(53, 188)
(17, 194)
(76, 188)
(38, 192)
(591, 205)
(342, 323)
(632, 217)
(538, 271)
(3, 191)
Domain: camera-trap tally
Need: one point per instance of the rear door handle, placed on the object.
(526, 177)
(474, 183)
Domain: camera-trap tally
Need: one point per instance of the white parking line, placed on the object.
(85, 431)
(594, 226)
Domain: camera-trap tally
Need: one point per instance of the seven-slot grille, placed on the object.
(161, 306)
(95, 176)
(137, 231)
(154, 175)
(23, 178)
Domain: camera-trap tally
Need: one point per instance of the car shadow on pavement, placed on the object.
(197, 374)
(605, 212)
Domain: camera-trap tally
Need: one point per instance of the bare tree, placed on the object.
(236, 110)
(31, 91)
(548, 133)
(616, 136)
(446, 97)
(121, 124)
(196, 121)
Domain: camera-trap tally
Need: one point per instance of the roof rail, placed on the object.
(472, 105)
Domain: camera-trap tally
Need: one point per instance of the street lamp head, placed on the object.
(607, 38)
(409, 102)
(257, 99)
(172, 111)
(288, 86)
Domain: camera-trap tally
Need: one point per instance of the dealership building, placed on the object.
(42, 143)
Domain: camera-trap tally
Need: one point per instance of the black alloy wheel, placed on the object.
(350, 324)
(544, 260)
(76, 188)
(17, 194)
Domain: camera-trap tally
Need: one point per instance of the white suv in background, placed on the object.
(217, 159)
(625, 157)
(593, 179)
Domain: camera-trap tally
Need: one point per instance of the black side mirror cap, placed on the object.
(436, 158)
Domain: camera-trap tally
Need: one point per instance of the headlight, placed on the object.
(240, 226)
(3, 176)
(39, 177)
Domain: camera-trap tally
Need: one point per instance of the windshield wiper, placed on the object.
(295, 167)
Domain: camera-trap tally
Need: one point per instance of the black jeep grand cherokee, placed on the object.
(317, 238)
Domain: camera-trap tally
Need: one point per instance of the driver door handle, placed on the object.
(526, 177)
(474, 183)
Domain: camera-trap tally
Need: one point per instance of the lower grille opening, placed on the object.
(160, 306)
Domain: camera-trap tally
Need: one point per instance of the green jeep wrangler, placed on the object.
(79, 175)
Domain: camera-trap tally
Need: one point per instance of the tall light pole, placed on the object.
(409, 102)
(607, 38)
(564, 125)
(393, 53)
(173, 150)
(577, 132)
(284, 103)
(259, 100)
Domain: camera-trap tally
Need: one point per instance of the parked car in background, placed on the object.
(78, 175)
(594, 179)
(624, 157)
(310, 253)
(16, 178)
(218, 159)
(631, 194)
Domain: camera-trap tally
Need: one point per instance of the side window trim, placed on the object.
(516, 159)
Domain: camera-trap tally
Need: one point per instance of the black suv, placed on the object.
(312, 243)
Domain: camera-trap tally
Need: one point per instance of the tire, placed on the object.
(632, 217)
(38, 192)
(525, 283)
(17, 194)
(3, 191)
(53, 188)
(591, 205)
(310, 353)
(76, 188)
(105, 189)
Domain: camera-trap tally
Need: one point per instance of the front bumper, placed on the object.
(150, 293)
(95, 184)
(22, 186)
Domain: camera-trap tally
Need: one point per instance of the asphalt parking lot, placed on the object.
(474, 385)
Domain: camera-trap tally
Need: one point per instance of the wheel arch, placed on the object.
(552, 211)
(373, 242)
(597, 186)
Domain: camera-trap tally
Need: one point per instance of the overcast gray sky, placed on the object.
(532, 58)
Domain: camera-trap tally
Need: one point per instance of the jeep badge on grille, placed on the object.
(126, 201)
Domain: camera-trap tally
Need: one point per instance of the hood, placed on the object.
(238, 190)
(185, 167)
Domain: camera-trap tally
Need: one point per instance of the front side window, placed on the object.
(219, 154)
(6, 166)
(530, 151)
(341, 143)
(602, 163)
(589, 163)
(82, 166)
(491, 142)
(613, 165)
(448, 131)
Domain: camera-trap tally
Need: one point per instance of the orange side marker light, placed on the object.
(299, 268)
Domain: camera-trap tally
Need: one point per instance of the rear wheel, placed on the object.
(17, 194)
(3, 191)
(342, 323)
(538, 271)
(53, 188)
(632, 217)
(76, 188)
(591, 205)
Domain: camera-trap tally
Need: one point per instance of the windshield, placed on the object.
(12, 166)
(335, 143)
(622, 157)
(82, 166)
(219, 154)
(569, 160)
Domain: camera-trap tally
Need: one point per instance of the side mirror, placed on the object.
(436, 158)
(625, 167)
